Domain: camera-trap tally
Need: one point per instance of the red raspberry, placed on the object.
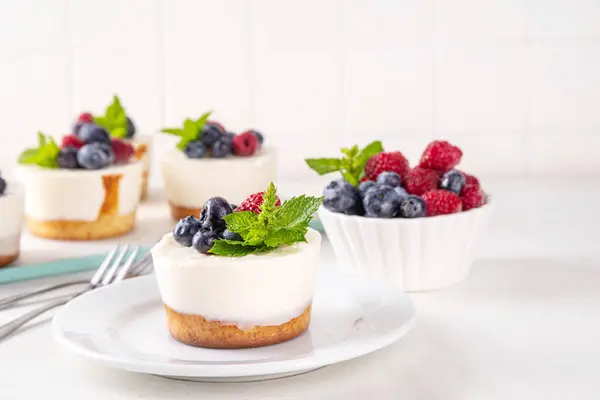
(393, 161)
(472, 197)
(85, 117)
(71, 141)
(123, 150)
(470, 179)
(440, 156)
(440, 202)
(420, 180)
(244, 144)
(218, 125)
(253, 203)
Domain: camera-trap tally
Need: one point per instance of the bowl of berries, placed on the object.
(414, 228)
(209, 160)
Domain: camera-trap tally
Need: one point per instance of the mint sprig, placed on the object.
(351, 165)
(45, 155)
(273, 227)
(191, 130)
(114, 119)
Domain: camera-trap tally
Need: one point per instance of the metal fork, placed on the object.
(106, 274)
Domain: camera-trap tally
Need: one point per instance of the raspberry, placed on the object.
(441, 156)
(472, 197)
(71, 141)
(123, 150)
(470, 179)
(393, 161)
(244, 144)
(440, 202)
(419, 180)
(85, 117)
(253, 203)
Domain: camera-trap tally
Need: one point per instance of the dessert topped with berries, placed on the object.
(11, 214)
(381, 184)
(240, 276)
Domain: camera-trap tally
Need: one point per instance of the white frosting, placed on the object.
(77, 195)
(11, 214)
(190, 182)
(263, 289)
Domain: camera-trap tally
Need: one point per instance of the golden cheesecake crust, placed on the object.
(7, 259)
(106, 226)
(194, 330)
(140, 150)
(179, 212)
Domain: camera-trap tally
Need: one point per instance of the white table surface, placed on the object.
(525, 325)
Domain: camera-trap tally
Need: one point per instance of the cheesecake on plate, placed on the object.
(11, 214)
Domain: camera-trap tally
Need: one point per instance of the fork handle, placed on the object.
(21, 296)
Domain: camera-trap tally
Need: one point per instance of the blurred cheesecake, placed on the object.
(11, 214)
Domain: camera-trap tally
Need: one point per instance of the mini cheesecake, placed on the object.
(142, 149)
(237, 302)
(78, 204)
(189, 182)
(11, 215)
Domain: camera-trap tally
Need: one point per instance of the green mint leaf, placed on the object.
(363, 156)
(269, 199)
(173, 131)
(351, 178)
(295, 213)
(233, 249)
(29, 156)
(200, 122)
(189, 133)
(241, 222)
(284, 237)
(183, 142)
(45, 155)
(41, 140)
(119, 131)
(115, 113)
(324, 166)
(102, 121)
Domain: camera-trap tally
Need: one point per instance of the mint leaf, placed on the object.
(269, 199)
(114, 119)
(192, 129)
(45, 155)
(29, 156)
(284, 237)
(173, 131)
(295, 213)
(324, 166)
(233, 249)
(202, 120)
(241, 222)
(369, 151)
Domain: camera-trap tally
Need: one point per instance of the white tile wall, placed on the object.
(516, 83)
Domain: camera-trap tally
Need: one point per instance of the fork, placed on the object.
(105, 275)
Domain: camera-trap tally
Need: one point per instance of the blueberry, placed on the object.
(400, 190)
(230, 135)
(78, 125)
(67, 158)
(259, 136)
(364, 186)
(382, 201)
(234, 206)
(212, 213)
(95, 156)
(130, 128)
(203, 240)
(389, 178)
(413, 207)
(185, 230)
(453, 181)
(92, 133)
(342, 197)
(2, 186)
(222, 147)
(209, 135)
(195, 149)
(228, 235)
(217, 126)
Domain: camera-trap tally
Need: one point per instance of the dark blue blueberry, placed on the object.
(78, 125)
(230, 135)
(259, 136)
(382, 201)
(95, 156)
(228, 235)
(413, 207)
(195, 149)
(185, 230)
(342, 197)
(2, 186)
(212, 213)
(67, 158)
(364, 186)
(222, 147)
(92, 133)
(400, 190)
(453, 181)
(209, 135)
(130, 128)
(203, 240)
(389, 178)
(216, 125)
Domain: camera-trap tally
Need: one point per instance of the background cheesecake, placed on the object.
(11, 215)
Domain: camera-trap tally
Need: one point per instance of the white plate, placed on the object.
(123, 326)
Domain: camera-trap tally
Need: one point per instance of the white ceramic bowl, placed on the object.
(409, 254)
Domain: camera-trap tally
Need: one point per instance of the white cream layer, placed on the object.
(265, 289)
(11, 214)
(190, 182)
(77, 195)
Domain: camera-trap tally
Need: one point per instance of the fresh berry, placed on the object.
(195, 149)
(85, 117)
(222, 147)
(203, 240)
(71, 141)
(470, 179)
(440, 202)
(130, 128)
(393, 161)
(364, 186)
(453, 181)
(230, 135)
(92, 133)
(342, 197)
(217, 125)
(185, 230)
(2, 186)
(253, 203)
(95, 156)
(413, 207)
(401, 192)
(212, 213)
(419, 180)
(382, 201)
(123, 151)
(67, 158)
(245, 144)
(259, 136)
(389, 178)
(77, 127)
(228, 235)
(441, 156)
(209, 135)
(472, 197)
